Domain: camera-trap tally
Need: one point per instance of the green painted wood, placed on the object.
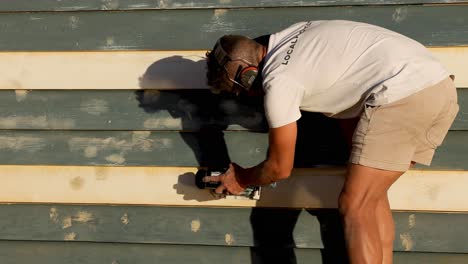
(26, 252)
(143, 110)
(89, 5)
(453, 153)
(198, 29)
(207, 148)
(91, 253)
(429, 258)
(240, 227)
(189, 110)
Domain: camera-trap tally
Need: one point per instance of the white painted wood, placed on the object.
(138, 69)
(306, 188)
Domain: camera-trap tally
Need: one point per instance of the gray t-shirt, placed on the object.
(335, 67)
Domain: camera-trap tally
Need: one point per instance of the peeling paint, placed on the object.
(159, 123)
(110, 41)
(90, 151)
(139, 141)
(77, 183)
(400, 14)
(94, 107)
(28, 144)
(229, 239)
(110, 143)
(83, 217)
(21, 95)
(67, 222)
(35, 122)
(163, 4)
(407, 241)
(109, 4)
(219, 23)
(70, 236)
(73, 22)
(195, 225)
(53, 215)
(220, 12)
(125, 220)
(116, 158)
(412, 221)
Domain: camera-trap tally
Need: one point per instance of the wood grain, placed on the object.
(139, 70)
(306, 188)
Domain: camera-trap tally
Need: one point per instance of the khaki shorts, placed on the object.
(390, 136)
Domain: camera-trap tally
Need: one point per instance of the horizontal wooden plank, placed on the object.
(138, 69)
(306, 188)
(90, 253)
(211, 147)
(416, 232)
(453, 153)
(187, 110)
(26, 252)
(198, 29)
(91, 5)
(147, 110)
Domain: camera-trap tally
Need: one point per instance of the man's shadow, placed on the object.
(319, 142)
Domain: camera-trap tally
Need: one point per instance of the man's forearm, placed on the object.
(262, 174)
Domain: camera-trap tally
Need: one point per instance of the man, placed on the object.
(403, 97)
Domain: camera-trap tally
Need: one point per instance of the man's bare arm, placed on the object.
(278, 165)
(280, 161)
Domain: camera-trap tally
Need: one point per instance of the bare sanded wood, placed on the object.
(138, 70)
(306, 188)
(441, 25)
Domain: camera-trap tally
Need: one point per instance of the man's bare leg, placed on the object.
(363, 190)
(386, 227)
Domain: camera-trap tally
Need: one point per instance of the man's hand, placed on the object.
(228, 181)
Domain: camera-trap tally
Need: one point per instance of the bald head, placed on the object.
(236, 52)
(241, 47)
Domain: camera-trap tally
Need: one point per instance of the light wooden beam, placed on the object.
(174, 186)
(138, 69)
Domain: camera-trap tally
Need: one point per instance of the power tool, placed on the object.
(250, 193)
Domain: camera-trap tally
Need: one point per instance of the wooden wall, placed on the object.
(105, 118)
